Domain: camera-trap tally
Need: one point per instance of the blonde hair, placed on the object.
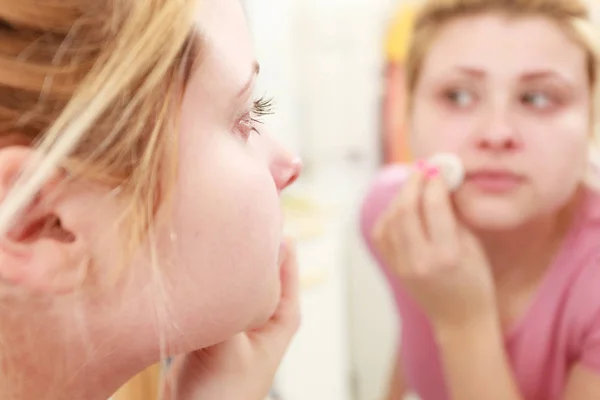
(95, 87)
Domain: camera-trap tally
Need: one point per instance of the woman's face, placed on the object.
(227, 221)
(511, 97)
(218, 269)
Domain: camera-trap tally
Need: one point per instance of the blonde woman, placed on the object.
(140, 216)
(497, 282)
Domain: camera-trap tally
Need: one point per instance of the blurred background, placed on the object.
(335, 70)
(330, 65)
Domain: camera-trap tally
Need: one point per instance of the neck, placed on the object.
(43, 361)
(521, 256)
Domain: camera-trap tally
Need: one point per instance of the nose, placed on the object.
(285, 166)
(287, 171)
(498, 133)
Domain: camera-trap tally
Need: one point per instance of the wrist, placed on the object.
(475, 361)
(469, 333)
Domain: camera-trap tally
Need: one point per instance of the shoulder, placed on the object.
(584, 249)
(384, 187)
(581, 262)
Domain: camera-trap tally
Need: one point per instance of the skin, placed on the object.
(221, 272)
(497, 106)
(520, 105)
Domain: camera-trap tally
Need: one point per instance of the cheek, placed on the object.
(227, 222)
(439, 137)
(433, 131)
(558, 165)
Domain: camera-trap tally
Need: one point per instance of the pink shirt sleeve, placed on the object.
(590, 356)
(384, 188)
(585, 309)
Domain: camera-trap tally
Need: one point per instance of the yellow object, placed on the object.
(144, 386)
(398, 37)
(305, 218)
(313, 279)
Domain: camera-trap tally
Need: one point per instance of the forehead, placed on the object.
(506, 46)
(227, 52)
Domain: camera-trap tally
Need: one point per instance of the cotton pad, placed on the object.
(451, 168)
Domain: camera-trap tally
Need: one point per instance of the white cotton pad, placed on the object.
(451, 167)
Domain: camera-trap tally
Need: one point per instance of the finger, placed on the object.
(387, 240)
(289, 274)
(285, 321)
(440, 221)
(413, 240)
(396, 249)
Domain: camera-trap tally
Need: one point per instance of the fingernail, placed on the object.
(432, 172)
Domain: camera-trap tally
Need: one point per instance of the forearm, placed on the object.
(395, 393)
(397, 386)
(476, 365)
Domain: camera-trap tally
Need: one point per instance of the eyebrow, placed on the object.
(248, 84)
(528, 76)
(544, 74)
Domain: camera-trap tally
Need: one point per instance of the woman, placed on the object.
(140, 216)
(496, 283)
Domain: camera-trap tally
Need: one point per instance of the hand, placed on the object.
(243, 367)
(439, 262)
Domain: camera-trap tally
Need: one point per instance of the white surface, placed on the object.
(347, 339)
(270, 25)
(373, 322)
(322, 60)
(317, 366)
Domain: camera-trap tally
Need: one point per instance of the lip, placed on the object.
(494, 181)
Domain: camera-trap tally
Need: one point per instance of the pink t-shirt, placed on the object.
(561, 328)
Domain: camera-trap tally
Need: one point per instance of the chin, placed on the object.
(491, 223)
(494, 215)
(267, 307)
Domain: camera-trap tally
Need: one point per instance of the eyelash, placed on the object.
(249, 121)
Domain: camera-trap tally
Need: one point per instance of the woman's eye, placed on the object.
(246, 126)
(460, 98)
(537, 100)
(253, 118)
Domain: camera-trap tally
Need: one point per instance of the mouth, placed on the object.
(494, 181)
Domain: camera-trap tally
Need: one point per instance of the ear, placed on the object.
(40, 254)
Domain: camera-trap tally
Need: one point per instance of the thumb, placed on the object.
(286, 320)
(288, 310)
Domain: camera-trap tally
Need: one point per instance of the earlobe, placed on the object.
(38, 254)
